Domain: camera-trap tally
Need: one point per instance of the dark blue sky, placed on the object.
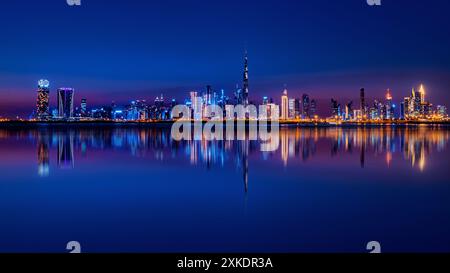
(122, 50)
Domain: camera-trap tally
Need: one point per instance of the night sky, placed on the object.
(134, 49)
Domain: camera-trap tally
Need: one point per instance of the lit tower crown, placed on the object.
(388, 95)
(245, 84)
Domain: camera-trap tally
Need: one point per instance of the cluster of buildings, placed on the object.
(304, 108)
(414, 107)
(67, 111)
(138, 110)
(65, 101)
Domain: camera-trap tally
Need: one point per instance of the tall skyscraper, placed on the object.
(306, 106)
(245, 83)
(83, 107)
(422, 94)
(362, 97)
(207, 96)
(284, 105)
(297, 108)
(416, 102)
(403, 110)
(43, 100)
(291, 108)
(389, 106)
(313, 108)
(65, 102)
(335, 108)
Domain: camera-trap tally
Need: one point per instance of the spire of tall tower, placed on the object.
(422, 93)
(245, 83)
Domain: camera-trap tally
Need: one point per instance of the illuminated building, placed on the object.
(362, 102)
(335, 109)
(306, 106)
(422, 94)
(291, 108)
(406, 107)
(118, 114)
(83, 108)
(441, 111)
(198, 108)
(416, 103)
(297, 108)
(357, 114)
(245, 82)
(159, 102)
(313, 108)
(284, 105)
(348, 111)
(389, 112)
(132, 111)
(425, 107)
(402, 110)
(207, 95)
(65, 102)
(43, 100)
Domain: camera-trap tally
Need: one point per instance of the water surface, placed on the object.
(117, 189)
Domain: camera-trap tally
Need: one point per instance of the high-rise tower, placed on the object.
(42, 104)
(363, 102)
(65, 102)
(245, 83)
(284, 105)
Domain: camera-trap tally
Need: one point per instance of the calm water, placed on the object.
(137, 190)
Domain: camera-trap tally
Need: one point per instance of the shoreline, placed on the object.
(37, 124)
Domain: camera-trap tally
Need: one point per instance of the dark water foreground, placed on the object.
(134, 189)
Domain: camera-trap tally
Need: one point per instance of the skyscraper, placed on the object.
(416, 101)
(403, 110)
(297, 108)
(245, 83)
(389, 106)
(362, 97)
(291, 107)
(306, 106)
(207, 96)
(313, 108)
(43, 99)
(284, 105)
(422, 94)
(83, 107)
(335, 108)
(65, 102)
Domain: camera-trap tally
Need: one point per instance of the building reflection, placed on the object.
(65, 151)
(294, 146)
(43, 145)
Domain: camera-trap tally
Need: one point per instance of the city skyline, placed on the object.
(395, 53)
(294, 107)
(298, 107)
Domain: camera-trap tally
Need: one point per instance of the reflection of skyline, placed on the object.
(296, 145)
